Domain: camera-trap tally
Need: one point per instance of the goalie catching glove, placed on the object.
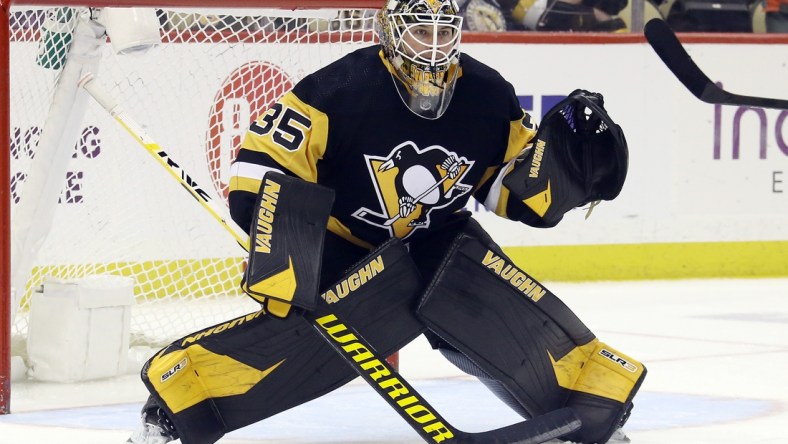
(579, 155)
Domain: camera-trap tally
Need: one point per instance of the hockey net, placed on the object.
(86, 200)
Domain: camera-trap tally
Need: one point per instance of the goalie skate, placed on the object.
(156, 427)
(150, 434)
(618, 437)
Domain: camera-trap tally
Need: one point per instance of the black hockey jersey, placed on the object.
(394, 173)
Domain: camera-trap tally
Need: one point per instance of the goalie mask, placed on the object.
(420, 39)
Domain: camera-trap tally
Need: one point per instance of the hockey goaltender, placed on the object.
(352, 186)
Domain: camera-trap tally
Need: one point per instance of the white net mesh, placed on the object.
(119, 212)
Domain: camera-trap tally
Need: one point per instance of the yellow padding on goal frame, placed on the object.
(690, 260)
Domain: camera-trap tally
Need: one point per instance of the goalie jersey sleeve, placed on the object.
(289, 138)
(492, 193)
(394, 174)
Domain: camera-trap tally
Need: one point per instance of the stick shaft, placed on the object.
(668, 47)
(161, 156)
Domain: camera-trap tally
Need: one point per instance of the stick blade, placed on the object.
(537, 430)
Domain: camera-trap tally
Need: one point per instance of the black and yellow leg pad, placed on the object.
(250, 368)
(601, 394)
(286, 243)
(521, 335)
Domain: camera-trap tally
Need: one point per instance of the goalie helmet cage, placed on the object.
(86, 200)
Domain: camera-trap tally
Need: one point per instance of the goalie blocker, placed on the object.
(286, 243)
(579, 155)
(525, 344)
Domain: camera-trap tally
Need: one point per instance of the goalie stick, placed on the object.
(668, 47)
(414, 409)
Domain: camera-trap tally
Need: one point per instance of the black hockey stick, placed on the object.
(669, 49)
(393, 388)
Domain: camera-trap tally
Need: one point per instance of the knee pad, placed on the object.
(521, 335)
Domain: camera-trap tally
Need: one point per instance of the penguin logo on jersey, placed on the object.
(410, 183)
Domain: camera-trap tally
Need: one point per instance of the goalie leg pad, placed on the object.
(250, 368)
(286, 243)
(520, 334)
(602, 394)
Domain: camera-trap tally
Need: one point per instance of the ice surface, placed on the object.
(716, 350)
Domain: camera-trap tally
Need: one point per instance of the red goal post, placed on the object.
(199, 272)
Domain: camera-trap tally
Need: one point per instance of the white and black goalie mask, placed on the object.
(421, 40)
